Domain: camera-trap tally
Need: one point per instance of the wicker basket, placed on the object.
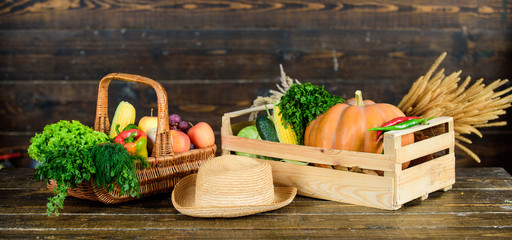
(166, 168)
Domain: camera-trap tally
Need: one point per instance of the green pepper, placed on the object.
(135, 141)
(130, 126)
(393, 122)
(403, 125)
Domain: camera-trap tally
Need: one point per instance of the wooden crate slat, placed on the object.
(426, 178)
(425, 147)
(308, 154)
(336, 185)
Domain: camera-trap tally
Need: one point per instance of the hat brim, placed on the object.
(183, 199)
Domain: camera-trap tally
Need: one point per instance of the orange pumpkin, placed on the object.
(344, 126)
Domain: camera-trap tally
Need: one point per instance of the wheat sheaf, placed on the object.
(472, 105)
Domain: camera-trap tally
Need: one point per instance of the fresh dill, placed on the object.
(114, 166)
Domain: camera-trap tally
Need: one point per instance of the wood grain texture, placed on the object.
(193, 99)
(478, 206)
(276, 222)
(269, 234)
(215, 57)
(331, 14)
(402, 55)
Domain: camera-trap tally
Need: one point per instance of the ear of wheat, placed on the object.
(471, 106)
(275, 95)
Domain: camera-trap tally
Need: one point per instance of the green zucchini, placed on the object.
(266, 129)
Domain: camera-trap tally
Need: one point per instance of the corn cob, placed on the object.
(284, 133)
(125, 114)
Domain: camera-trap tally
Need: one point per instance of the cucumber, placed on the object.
(266, 129)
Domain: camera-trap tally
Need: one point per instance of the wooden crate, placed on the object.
(432, 164)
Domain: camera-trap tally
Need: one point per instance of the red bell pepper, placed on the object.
(133, 140)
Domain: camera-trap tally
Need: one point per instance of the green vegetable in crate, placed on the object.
(249, 132)
(399, 123)
(403, 125)
(392, 122)
(266, 129)
(63, 151)
(302, 103)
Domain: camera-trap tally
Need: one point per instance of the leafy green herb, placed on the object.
(63, 149)
(302, 103)
(115, 165)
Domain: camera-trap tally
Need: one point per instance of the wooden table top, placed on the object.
(478, 205)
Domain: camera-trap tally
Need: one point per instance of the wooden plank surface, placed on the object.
(379, 233)
(290, 14)
(215, 57)
(479, 205)
(250, 54)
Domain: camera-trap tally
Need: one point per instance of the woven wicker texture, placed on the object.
(230, 186)
(166, 167)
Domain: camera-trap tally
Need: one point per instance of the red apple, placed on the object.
(180, 141)
(201, 135)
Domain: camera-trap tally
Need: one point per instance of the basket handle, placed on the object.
(163, 141)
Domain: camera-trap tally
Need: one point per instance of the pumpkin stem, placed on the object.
(359, 98)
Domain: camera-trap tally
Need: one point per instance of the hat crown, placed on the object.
(232, 181)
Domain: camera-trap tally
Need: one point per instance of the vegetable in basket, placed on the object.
(135, 141)
(114, 164)
(130, 126)
(63, 151)
(124, 116)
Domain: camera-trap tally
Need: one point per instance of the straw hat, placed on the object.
(230, 186)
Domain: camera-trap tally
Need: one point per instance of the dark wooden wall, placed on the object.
(217, 56)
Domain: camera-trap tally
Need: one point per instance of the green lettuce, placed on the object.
(63, 149)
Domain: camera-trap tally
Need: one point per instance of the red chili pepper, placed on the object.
(392, 122)
(10, 156)
(403, 125)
